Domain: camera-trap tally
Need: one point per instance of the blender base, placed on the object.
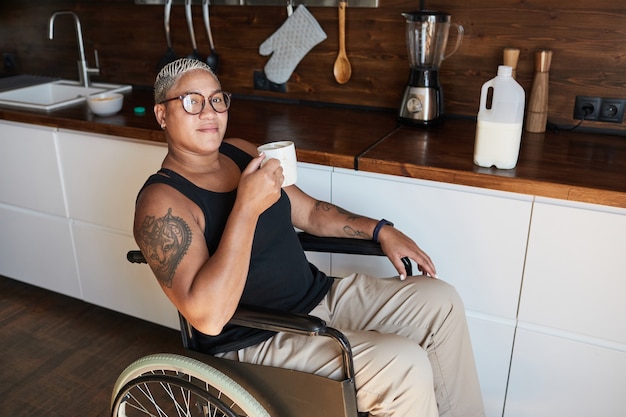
(421, 123)
(421, 106)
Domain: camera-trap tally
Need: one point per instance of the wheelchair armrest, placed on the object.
(281, 321)
(349, 246)
(310, 243)
(277, 321)
(135, 257)
(339, 245)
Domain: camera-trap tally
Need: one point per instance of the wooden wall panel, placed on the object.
(588, 40)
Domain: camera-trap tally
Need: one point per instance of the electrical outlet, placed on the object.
(262, 83)
(8, 61)
(587, 108)
(612, 110)
(609, 110)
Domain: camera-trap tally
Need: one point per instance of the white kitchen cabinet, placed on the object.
(570, 352)
(555, 376)
(575, 276)
(102, 175)
(492, 340)
(315, 180)
(37, 248)
(36, 242)
(29, 168)
(477, 240)
(109, 280)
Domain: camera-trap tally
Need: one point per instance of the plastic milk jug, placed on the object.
(499, 127)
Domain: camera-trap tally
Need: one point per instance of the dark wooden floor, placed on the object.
(60, 356)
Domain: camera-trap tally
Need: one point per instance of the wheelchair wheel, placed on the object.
(173, 385)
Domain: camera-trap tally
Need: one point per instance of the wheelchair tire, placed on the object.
(174, 385)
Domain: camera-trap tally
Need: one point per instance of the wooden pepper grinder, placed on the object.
(511, 55)
(537, 116)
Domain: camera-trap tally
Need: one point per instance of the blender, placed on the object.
(426, 39)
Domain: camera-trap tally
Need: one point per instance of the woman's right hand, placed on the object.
(260, 184)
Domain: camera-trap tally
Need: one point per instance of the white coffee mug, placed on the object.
(285, 152)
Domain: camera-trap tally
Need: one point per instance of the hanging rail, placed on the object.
(307, 3)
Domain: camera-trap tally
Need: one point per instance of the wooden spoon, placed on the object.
(342, 69)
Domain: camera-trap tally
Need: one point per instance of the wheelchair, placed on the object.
(203, 385)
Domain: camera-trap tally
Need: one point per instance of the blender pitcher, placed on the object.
(426, 38)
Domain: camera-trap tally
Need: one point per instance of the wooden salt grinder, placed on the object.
(511, 55)
(537, 116)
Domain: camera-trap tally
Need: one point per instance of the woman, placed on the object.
(217, 230)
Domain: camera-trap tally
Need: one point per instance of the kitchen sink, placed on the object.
(55, 94)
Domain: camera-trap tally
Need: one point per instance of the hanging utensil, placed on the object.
(194, 54)
(212, 60)
(342, 69)
(170, 55)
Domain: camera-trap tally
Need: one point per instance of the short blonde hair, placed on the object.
(171, 73)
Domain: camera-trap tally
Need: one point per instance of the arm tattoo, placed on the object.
(164, 242)
(348, 230)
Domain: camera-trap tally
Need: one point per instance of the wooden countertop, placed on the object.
(569, 166)
(572, 166)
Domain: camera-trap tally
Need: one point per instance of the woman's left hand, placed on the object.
(397, 245)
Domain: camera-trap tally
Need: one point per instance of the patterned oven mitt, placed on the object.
(290, 43)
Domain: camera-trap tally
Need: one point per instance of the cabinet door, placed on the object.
(553, 376)
(38, 249)
(29, 169)
(492, 340)
(103, 174)
(476, 239)
(109, 280)
(575, 271)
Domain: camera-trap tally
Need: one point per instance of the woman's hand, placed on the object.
(260, 186)
(397, 245)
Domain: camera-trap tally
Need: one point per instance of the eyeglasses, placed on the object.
(193, 103)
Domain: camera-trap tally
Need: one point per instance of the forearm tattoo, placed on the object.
(348, 230)
(164, 242)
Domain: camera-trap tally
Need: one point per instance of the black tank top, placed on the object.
(279, 276)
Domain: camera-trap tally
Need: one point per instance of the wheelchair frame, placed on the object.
(229, 388)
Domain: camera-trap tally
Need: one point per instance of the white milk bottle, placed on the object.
(499, 127)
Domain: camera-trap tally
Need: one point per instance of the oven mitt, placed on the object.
(290, 43)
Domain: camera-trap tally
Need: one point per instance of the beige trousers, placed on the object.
(411, 347)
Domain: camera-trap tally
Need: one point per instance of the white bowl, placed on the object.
(105, 104)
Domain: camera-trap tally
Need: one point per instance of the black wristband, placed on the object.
(379, 226)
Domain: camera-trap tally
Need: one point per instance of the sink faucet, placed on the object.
(83, 69)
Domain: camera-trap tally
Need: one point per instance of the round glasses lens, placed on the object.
(193, 103)
(220, 102)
